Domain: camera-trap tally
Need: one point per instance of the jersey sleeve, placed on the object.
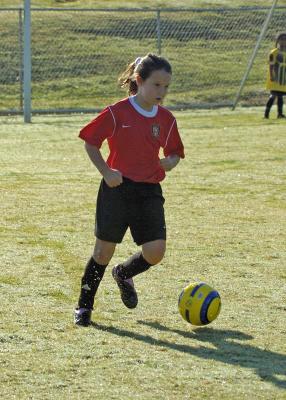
(99, 129)
(174, 143)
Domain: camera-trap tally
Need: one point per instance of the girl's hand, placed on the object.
(169, 162)
(113, 177)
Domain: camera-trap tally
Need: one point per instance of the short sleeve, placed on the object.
(99, 129)
(174, 143)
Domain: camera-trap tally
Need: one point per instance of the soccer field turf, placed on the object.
(225, 210)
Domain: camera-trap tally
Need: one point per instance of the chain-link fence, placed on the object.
(77, 54)
(11, 50)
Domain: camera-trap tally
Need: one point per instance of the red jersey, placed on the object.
(135, 137)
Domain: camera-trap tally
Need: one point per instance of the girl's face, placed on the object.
(282, 42)
(152, 90)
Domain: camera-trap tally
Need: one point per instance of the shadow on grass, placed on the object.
(269, 366)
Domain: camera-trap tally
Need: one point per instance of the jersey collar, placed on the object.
(149, 114)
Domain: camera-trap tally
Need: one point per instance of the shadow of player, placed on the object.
(268, 365)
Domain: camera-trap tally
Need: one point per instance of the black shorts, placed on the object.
(139, 206)
(276, 93)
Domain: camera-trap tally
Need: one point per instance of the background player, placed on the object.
(276, 79)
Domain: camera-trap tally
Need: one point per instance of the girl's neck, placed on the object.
(142, 103)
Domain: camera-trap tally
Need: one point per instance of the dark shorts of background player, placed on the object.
(137, 205)
(276, 93)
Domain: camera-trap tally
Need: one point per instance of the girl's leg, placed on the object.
(151, 254)
(148, 229)
(103, 251)
(94, 271)
(269, 104)
(280, 106)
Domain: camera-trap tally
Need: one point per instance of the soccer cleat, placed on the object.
(281, 116)
(82, 316)
(127, 290)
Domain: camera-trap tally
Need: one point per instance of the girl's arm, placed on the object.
(271, 67)
(111, 176)
(272, 72)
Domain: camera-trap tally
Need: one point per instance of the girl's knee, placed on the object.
(101, 257)
(103, 252)
(154, 252)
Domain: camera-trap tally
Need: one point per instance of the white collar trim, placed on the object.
(149, 114)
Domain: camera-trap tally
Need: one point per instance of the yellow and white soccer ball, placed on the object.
(199, 304)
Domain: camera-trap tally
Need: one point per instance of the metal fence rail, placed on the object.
(77, 54)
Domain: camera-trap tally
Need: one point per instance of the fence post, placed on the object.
(27, 61)
(254, 53)
(158, 29)
(21, 56)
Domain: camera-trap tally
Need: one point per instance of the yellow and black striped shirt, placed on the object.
(276, 78)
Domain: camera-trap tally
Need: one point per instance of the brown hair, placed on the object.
(279, 37)
(144, 68)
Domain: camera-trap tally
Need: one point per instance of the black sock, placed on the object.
(280, 105)
(90, 281)
(133, 266)
(269, 104)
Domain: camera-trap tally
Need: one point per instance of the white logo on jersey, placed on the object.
(155, 131)
(126, 126)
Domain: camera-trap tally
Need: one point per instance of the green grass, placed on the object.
(137, 3)
(225, 210)
(77, 56)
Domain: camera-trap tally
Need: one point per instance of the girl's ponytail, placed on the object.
(126, 79)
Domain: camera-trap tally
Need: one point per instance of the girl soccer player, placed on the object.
(276, 80)
(130, 194)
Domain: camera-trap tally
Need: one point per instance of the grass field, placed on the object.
(138, 3)
(225, 209)
(77, 56)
